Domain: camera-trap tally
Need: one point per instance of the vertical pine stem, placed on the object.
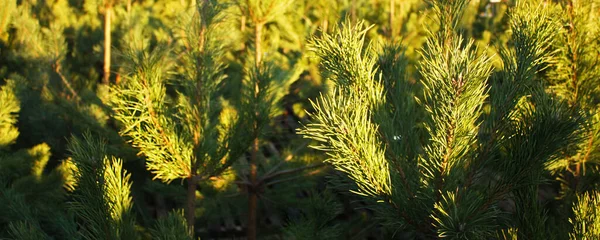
(258, 53)
(243, 29)
(253, 198)
(190, 211)
(190, 208)
(572, 41)
(572, 45)
(107, 42)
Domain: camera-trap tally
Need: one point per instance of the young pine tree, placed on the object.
(438, 165)
(179, 121)
(276, 64)
(101, 201)
(575, 78)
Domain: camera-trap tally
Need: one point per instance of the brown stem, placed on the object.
(190, 207)
(107, 40)
(252, 190)
(252, 198)
(56, 67)
(203, 17)
(574, 50)
(445, 161)
(242, 30)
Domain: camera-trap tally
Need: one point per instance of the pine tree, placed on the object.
(445, 177)
(190, 134)
(574, 78)
(444, 119)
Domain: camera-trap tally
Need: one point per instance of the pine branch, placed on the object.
(586, 220)
(57, 69)
(171, 227)
(154, 121)
(9, 108)
(102, 200)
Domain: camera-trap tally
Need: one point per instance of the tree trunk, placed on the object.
(190, 208)
(253, 198)
(107, 41)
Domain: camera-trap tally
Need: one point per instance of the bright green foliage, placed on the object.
(586, 222)
(447, 182)
(454, 92)
(102, 202)
(9, 107)
(190, 133)
(575, 78)
(470, 120)
(8, 6)
(354, 74)
(140, 106)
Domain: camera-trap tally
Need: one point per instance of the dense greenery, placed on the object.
(299, 119)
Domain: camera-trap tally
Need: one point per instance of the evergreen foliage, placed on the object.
(585, 222)
(468, 160)
(190, 135)
(437, 119)
(317, 223)
(574, 78)
(8, 118)
(101, 201)
(172, 227)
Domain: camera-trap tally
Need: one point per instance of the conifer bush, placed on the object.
(473, 136)
(191, 134)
